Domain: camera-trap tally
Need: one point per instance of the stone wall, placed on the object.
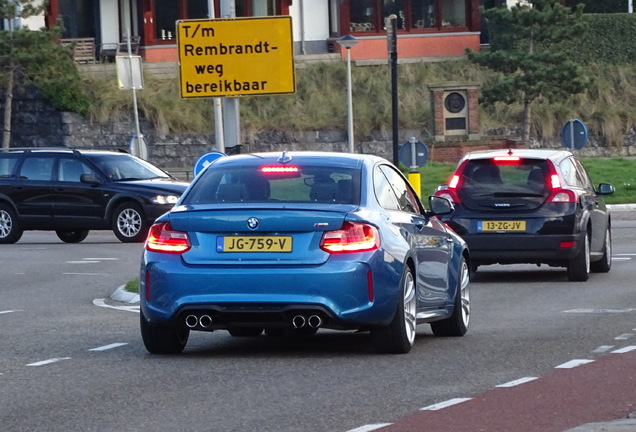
(37, 124)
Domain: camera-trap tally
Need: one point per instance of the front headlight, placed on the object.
(165, 199)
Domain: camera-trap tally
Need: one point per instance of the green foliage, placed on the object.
(608, 38)
(600, 7)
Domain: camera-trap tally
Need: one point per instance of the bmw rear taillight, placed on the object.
(352, 237)
(162, 238)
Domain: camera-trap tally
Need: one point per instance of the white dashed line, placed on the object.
(107, 347)
(9, 311)
(102, 259)
(445, 404)
(624, 350)
(371, 427)
(573, 363)
(602, 349)
(624, 336)
(517, 382)
(82, 262)
(606, 310)
(49, 361)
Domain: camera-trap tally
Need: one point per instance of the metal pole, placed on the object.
(350, 102)
(140, 138)
(394, 89)
(218, 108)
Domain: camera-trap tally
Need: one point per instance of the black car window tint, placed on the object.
(71, 170)
(37, 169)
(383, 191)
(7, 165)
(406, 198)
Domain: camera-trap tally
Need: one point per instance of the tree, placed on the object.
(527, 50)
(35, 57)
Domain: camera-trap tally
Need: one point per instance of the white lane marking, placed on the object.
(107, 347)
(370, 427)
(82, 262)
(624, 350)
(600, 310)
(86, 274)
(517, 382)
(573, 363)
(444, 404)
(624, 254)
(621, 259)
(624, 336)
(102, 303)
(9, 311)
(49, 361)
(102, 259)
(603, 348)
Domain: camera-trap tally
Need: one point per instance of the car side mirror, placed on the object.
(89, 178)
(605, 189)
(440, 205)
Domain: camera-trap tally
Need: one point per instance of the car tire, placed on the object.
(163, 338)
(10, 231)
(579, 266)
(399, 336)
(245, 332)
(605, 263)
(72, 236)
(129, 223)
(457, 323)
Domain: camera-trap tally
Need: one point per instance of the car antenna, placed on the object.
(284, 158)
(509, 151)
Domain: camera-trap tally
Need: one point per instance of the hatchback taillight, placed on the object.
(352, 237)
(162, 238)
(558, 194)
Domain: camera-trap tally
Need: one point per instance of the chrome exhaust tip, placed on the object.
(205, 321)
(299, 321)
(314, 321)
(191, 321)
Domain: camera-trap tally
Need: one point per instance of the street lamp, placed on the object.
(349, 42)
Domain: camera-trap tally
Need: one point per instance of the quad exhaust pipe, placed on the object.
(300, 321)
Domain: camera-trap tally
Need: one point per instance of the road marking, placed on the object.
(9, 311)
(86, 274)
(573, 363)
(517, 382)
(102, 303)
(445, 404)
(621, 259)
(606, 310)
(371, 427)
(624, 350)
(82, 262)
(49, 361)
(102, 259)
(603, 348)
(624, 336)
(107, 347)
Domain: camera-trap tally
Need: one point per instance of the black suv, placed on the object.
(531, 206)
(73, 191)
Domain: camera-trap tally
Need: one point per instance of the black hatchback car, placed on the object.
(73, 191)
(531, 206)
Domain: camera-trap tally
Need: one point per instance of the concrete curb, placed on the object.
(123, 296)
(622, 425)
(621, 207)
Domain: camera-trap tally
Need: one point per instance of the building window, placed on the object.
(412, 15)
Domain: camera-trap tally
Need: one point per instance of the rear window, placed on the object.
(489, 180)
(306, 184)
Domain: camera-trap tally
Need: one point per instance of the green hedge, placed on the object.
(609, 38)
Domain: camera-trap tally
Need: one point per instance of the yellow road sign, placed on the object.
(235, 57)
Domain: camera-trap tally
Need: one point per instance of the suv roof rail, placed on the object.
(59, 148)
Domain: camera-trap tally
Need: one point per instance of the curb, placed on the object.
(621, 207)
(123, 296)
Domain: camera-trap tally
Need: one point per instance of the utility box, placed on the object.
(455, 109)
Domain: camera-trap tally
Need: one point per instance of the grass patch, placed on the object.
(132, 286)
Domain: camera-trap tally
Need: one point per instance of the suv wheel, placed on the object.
(129, 223)
(579, 266)
(605, 263)
(10, 231)
(71, 236)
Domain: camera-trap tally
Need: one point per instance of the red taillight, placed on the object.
(558, 193)
(352, 237)
(162, 238)
(454, 181)
(279, 169)
(567, 245)
(506, 160)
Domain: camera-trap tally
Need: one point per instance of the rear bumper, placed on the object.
(270, 296)
(517, 248)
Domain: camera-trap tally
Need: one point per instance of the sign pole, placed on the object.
(218, 108)
(231, 108)
(391, 33)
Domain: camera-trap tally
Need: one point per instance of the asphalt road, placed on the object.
(72, 360)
